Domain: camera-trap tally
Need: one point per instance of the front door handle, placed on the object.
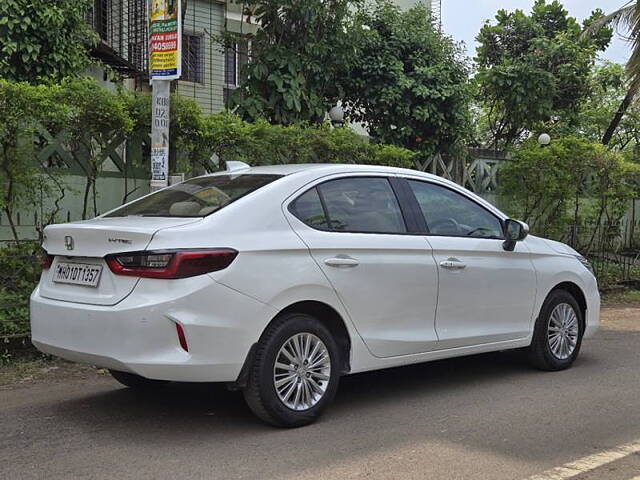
(342, 262)
(452, 264)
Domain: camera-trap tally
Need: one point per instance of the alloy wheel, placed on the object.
(302, 371)
(562, 332)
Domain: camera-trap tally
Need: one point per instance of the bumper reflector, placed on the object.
(181, 337)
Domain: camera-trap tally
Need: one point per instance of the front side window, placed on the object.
(448, 213)
(197, 197)
(361, 205)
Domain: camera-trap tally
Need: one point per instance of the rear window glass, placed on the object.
(197, 197)
(308, 208)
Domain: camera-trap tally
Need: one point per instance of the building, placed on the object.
(209, 72)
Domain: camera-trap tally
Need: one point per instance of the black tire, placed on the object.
(260, 391)
(540, 353)
(137, 382)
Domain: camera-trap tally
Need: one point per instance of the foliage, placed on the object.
(186, 123)
(409, 82)
(19, 275)
(43, 41)
(533, 69)
(607, 89)
(99, 119)
(260, 143)
(625, 18)
(570, 181)
(22, 108)
(295, 59)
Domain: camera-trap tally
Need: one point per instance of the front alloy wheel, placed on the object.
(558, 332)
(563, 331)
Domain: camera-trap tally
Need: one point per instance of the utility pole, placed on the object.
(165, 64)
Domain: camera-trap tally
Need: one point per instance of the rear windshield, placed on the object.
(197, 197)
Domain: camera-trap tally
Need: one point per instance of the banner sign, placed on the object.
(165, 39)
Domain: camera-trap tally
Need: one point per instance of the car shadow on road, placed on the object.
(472, 402)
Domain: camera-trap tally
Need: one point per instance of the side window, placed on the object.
(449, 213)
(308, 209)
(362, 204)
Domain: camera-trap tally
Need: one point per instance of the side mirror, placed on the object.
(514, 231)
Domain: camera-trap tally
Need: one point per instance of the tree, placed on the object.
(22, 178)
(295, 56)
(408, 83)
(41, 40)
(98, 121)
(534, 68)
(571, 181)
(627, 17)
(607, 89)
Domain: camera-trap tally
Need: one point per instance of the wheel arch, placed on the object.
(326, 314)
(331, 319)
(576, 292)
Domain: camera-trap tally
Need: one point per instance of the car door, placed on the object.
(485, 294)
(385, 277)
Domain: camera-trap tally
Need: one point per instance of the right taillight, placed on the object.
(171, 264)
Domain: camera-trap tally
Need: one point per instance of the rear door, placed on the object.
(385, 277)
(79, 272)
(486, 294)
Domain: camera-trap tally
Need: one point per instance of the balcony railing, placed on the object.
(121, 26)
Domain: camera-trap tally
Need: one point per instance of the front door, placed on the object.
(486, 294)
(385, 278)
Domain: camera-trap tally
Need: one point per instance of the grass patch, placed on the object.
(622, 297)
(44, 369)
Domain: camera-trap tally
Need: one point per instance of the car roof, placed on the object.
(324, 168)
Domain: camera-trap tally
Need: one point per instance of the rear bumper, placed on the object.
(138, 335)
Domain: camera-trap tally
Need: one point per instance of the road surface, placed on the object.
(483, 417)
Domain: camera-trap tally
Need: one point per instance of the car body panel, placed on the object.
(279, 264)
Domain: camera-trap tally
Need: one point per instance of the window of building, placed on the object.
(236, 56)
(192, 58)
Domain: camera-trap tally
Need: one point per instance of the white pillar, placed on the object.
(160, 134)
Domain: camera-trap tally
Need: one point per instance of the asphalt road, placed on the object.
(482, 417)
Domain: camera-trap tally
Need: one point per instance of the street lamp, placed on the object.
(336, 115)
(544, 139)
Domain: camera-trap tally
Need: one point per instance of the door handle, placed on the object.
(452, 264)
(342, 262)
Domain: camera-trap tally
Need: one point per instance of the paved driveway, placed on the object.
(483, 417)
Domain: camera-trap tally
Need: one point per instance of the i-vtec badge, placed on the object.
(120, 240)
(68, 242)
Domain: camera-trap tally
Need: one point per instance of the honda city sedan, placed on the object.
(278, 280)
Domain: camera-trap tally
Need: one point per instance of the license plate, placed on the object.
(77, 274)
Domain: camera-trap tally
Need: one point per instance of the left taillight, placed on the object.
(171, 264)
(46, 260)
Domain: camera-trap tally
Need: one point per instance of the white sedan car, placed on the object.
(278, 280)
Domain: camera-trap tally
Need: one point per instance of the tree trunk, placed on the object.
(9, 214)
(617, 118)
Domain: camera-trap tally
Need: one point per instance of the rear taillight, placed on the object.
(171, 263)
(46, 260)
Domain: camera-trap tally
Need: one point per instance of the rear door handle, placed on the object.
(342, 262)
(452, 264)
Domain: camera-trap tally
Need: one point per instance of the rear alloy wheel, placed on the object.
(558, 334)
(137, 382)
(295, 371)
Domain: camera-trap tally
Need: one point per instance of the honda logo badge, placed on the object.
(68, 242)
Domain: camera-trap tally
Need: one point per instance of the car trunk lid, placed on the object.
(83, 245)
